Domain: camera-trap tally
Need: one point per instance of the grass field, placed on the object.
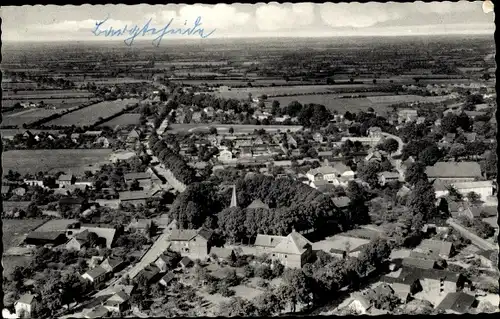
(45, 94)
(27, 116)
(19, 85)
(90, 115)
(332, 103)
(242, 93)
(123, 120)
(108, 81)
(65, 103)
(407, 99)
(75, 161)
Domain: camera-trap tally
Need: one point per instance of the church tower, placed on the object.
(234, 203)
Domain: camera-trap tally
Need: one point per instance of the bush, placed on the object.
(263, 272)
(249, 271)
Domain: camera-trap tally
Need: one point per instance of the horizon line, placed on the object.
(476, 33)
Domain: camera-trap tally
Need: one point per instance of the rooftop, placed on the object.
(454, 169)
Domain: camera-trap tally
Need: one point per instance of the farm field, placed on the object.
(14, 230)
(75, 161)
(242, 93)
(255, 83)
(65, 103)
(123, 120)
(332, 103)
(407, 99)
(108, 81)
(27, 116)
(18, 85)
(44, 94)
(90, 115)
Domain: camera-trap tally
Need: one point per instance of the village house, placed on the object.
(191, 242)
(78, 242)
(327, 173)
(83, 181)
(133, 136)
(144, 179)
(457, 303)
(65, 180)
(163, 262)
(33, 182)
(39, 238)
(149, 273)
(257, 204)
(141, 225)
(375, 131)
(167, 279)
(138, 197)
(26, 306)
(225, 156)
(112, 264)
(118, 302)
(369, 141)
(443, 248)
(96, 275)
(387, 177)
(292, 251)
(185, 262)
(407, 115)
(105, 232)
(454, 172)
(483, 188)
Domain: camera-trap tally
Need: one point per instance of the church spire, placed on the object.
(234, 203)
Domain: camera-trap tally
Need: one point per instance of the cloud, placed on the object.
(271, 17)
(220, 16)
(357, 15)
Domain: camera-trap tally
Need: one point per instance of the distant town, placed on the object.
(293, 177)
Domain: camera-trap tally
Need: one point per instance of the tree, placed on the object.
(295, 288)
(135, 186)
(231, 130)
(375, 252)
(449, 123)
(237, 306)
(473, 197)
(454, 193)
(430, 155)
(457, 150)
(213, 130)
(275, 110)
(389, 145)
(368, 172)
(92, 239)
(268, 304)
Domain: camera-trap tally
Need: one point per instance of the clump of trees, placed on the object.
(172, 160)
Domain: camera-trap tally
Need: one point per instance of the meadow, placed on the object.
(44, 94)
(91, 114)
(76, 161)
(123, 120)
(26, 116)
(14, 230)
(242, 93)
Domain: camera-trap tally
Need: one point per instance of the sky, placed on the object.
(76, 23)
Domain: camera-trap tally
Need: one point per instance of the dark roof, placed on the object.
(26, 299)
(149, 272)
(207, 234)
(257, 203)
(419, 263)
(114, 261)
(52, 235)
(98, 312)
(454, 169)
(5, 189)
(457, 301)
(169, 276)
(71, 201)
(82, 235)
(132, 176)
(185, 261)
(96, 272)
(443, 247)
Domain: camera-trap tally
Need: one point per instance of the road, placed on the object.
(158, 247)
(475, 239)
